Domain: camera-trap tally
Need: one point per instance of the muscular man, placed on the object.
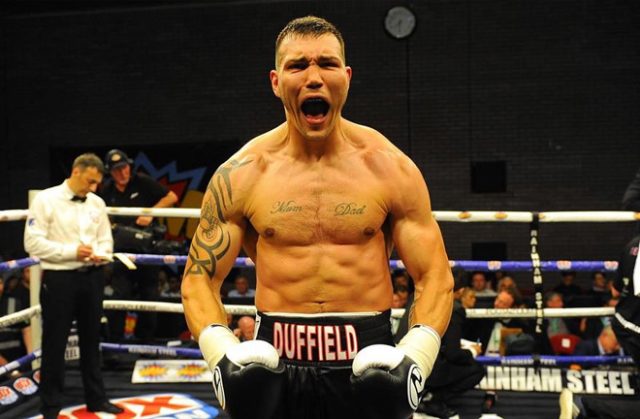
(318, 203)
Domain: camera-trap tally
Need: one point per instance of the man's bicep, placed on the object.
(214, 249)
(417, 242)
(217, 240)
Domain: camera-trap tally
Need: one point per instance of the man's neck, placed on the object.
(316, 148)
(72, 185)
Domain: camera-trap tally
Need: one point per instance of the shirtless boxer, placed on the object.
(318, 203)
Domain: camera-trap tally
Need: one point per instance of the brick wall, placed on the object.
(549, 87)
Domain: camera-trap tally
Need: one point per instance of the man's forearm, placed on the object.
(167, 201)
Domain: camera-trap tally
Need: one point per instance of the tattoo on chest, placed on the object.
(212, 241)
(349, 208)
(284, 207)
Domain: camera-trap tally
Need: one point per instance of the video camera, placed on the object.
(144, 240)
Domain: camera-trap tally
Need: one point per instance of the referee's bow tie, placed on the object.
(80, 199)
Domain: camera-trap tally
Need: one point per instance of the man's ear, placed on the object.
(273, 76)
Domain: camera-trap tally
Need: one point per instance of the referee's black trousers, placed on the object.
(65, 296)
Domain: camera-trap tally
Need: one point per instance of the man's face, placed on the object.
(567, 279)
(555, 302)
(599, 280)
(86, 180)
(478, 282)
(468, 299)
(247, 327)
(242, 285)
(503, 300)
(312, 81)
(609, 343)
(121, 175)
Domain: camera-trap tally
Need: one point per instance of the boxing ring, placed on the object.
(535, 374)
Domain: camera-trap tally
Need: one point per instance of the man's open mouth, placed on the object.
(315, 107)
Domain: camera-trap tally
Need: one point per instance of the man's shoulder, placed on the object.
(379, 150)
(107, 187)
(97, 199)
(49, 192)
(141, 178)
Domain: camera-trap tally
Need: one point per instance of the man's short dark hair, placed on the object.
(309, 26)
(88, 160)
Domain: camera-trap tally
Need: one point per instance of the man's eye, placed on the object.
(298, 66)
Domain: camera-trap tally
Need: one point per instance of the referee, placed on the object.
(68, 229)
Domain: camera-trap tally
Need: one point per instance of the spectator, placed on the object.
(400, 277)
(15, 340)
(555, 325)
(605, 344)
(591, 327)
(566, 287)
(600, 290)
(126, 189)
(246, 328)
(173, 289)
(480, 285)
(241, 288)
(403, 294)
(493, 332)
(468, 297)
(469, 327)
(506, 282)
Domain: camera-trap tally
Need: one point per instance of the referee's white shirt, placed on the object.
(56, 226)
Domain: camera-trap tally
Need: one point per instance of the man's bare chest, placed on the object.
(303, 208)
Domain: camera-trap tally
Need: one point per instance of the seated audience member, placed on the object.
(560, 339)
(555, 325)
(481, 285)
(468, 300)
(15, 340)
(493, 331)
(403, 295)
(566, 287)
(241, 288)
(590, 327)
(599, 290)
(491, 339)
(396, 303)
(605, 344)
(173, 288)
(506, 282)
(400, 277)
(246, 328)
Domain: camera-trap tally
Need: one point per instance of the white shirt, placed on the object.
(56, 226)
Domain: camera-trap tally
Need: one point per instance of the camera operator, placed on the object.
(136, 235)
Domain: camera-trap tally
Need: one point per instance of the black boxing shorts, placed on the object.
(318, 351)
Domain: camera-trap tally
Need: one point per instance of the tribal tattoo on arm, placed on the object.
(212, 239)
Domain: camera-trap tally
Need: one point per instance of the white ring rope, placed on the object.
(239, 310)
(452, 216)
(19, 316)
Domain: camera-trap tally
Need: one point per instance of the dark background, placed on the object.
(542, 95)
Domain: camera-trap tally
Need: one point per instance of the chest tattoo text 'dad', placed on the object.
(349, 208)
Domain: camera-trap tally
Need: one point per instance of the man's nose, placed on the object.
(314, 78)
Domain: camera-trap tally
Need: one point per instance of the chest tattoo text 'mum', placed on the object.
(281, 207)
(349, 208)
